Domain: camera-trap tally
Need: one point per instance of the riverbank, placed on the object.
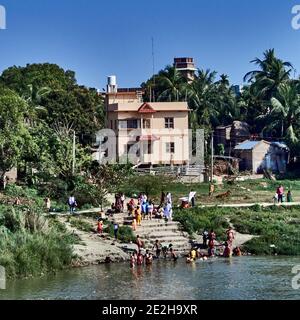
(271, 230)
(34, 243)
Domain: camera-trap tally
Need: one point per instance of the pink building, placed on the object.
(153, 133)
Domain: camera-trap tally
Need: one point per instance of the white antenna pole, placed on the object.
(153, 69)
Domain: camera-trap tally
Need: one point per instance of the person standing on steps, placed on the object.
(122, 198)
(116, 229)
(169, 198)
(150, 209)
(138, 216)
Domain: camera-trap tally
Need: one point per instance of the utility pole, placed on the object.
(212, 158)
(153, 70)
(74, 153)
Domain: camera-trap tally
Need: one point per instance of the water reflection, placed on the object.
(236, 278)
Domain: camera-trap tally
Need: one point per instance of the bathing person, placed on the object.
(227, 251)
(148, 258)
(173, 254)
(140, 259)
(230, 236)
(139, 243)
(193, 254)
(132, 261)
(211, 243)
(158, 247)
(237, 252)
(188, 258)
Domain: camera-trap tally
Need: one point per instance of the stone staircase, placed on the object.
(157, 229)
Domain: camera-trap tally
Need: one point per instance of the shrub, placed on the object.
(125, 233)
(29, 245)
(80, 224)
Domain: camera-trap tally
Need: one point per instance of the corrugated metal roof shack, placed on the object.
(257, 156)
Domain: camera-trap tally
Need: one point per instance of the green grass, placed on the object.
(125, 233)
(197, 220)
(275, 226)
(80, 224)
(31, 245)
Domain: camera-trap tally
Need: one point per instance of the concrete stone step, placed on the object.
(151, 231)
(163, 234)
(150, 224)
(175, 243)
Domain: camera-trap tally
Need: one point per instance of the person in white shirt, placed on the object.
(192, 198)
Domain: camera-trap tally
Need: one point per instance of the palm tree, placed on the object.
(170, 84)
(202, 98)
(285, 113)
(271, 74)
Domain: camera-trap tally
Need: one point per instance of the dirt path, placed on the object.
(94, 249)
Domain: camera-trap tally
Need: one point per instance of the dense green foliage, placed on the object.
(125, 233)
(277, 228)
(198, 220)
(269, 102)
(30, 245)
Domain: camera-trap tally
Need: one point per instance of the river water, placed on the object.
(248, 278)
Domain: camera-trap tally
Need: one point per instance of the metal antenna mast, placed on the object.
(153, 70)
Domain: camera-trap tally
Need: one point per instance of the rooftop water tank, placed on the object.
(112, 80)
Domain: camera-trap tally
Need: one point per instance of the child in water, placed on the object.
(173, 254)
(149, 258)
(188, 258)
(227, 251)
(140, 259)
(132, 261)
(237, 252)
(193, 255)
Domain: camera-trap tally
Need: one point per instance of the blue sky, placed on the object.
(98, 38)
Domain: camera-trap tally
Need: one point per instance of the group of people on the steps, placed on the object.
(145, 209)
